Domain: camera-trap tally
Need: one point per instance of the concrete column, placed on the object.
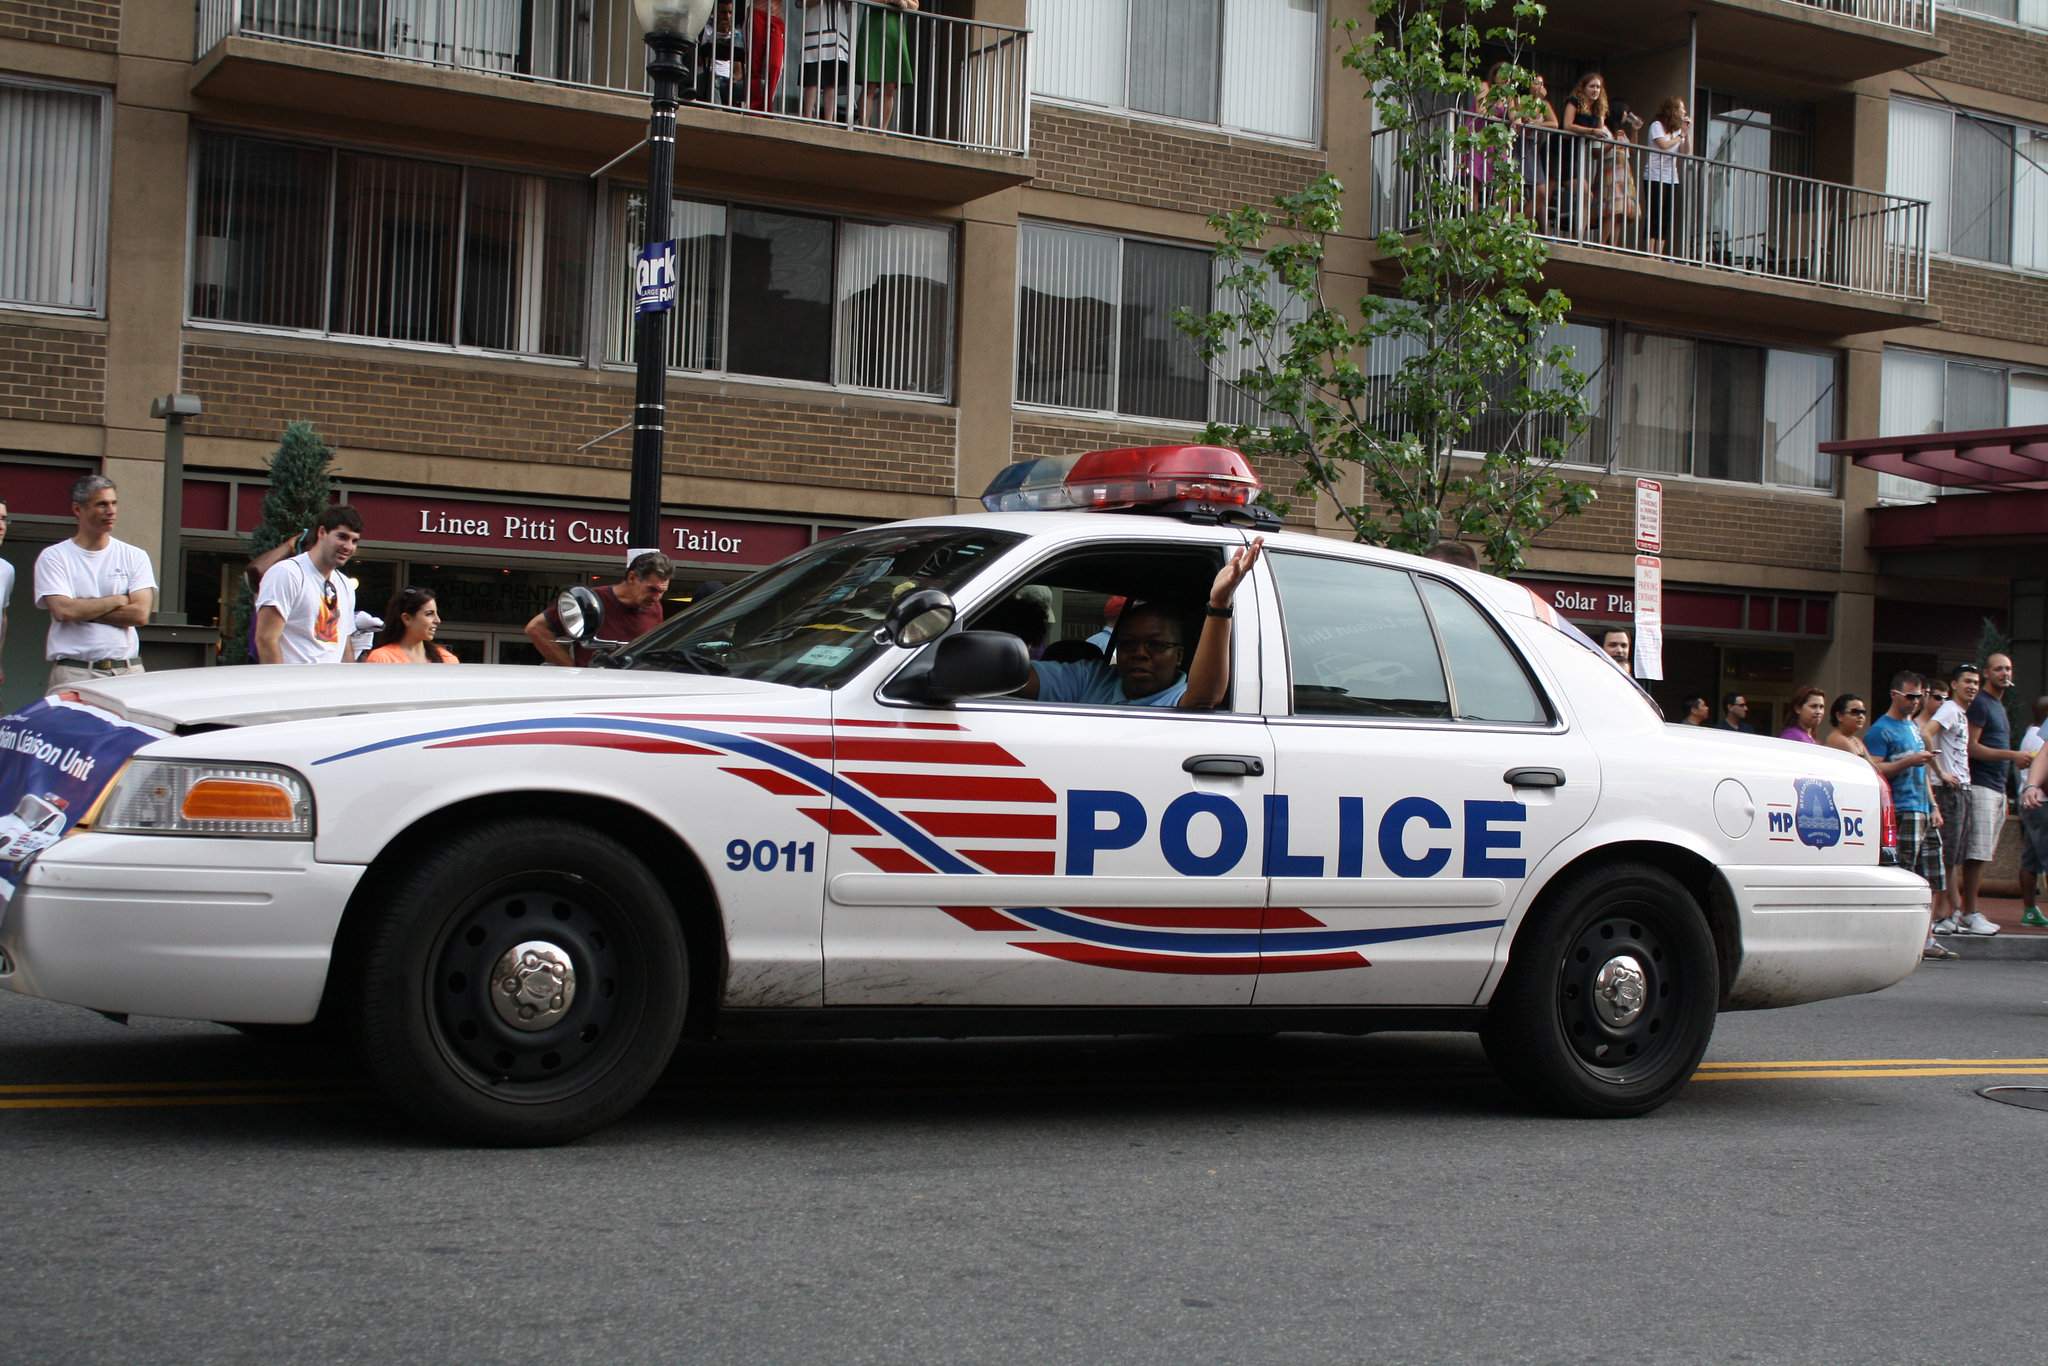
(986, 343)
(2028, 631)
(146, 258)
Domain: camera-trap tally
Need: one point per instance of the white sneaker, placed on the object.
(1945, 925)
(1975, 923)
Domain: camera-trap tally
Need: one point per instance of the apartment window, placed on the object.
(2030, 13)
(391, 248)
(1228, 403)
(1095, 325)
(52, 197)
(1985, 182)
(1923, 393)
(1589, 345)
(1719, 410)
(797, 296)
(1248, 64)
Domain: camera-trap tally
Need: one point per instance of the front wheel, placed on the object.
(526, 984)
(1610, 995)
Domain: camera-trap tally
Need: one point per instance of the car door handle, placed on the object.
(1534, 777)
(1226, 765)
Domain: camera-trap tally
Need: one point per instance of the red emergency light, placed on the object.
(1150, 478)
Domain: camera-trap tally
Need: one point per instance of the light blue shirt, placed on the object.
(1095, 681)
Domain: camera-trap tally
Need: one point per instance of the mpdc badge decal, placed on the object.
(1816, 820)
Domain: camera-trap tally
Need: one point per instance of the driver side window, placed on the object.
(1358, 641)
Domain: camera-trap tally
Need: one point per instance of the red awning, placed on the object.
(2001, 458)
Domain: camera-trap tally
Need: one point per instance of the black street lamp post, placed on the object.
(671, 27)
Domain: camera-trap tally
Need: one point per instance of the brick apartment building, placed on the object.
(410, 222)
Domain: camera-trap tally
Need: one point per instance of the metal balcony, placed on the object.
(957, 83)
(1733, 226)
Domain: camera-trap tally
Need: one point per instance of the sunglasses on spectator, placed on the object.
(1858, 711)
(1909, 696)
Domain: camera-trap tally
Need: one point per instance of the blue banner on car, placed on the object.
(55, 760)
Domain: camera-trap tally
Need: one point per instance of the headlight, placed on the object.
(176, 797)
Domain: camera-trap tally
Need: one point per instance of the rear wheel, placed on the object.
(1610, 995)
(525, 985)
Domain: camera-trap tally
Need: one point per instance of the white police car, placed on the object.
(811, 801)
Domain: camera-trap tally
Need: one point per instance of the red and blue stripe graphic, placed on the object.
(951, 788)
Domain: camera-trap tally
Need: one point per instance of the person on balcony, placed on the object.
(721, 56)
(1535, 139)
(1670, 137)
(828, 57)
(1585, 113)
(767, 37)
(884, 62)
(1620, 201)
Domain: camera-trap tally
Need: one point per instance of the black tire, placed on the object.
(426, 1016)
(1547, 1033)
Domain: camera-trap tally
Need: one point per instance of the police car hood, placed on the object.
(255, 695)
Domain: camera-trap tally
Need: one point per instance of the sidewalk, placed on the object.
(2013, 941)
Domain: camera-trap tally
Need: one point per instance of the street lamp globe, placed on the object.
(684, 18)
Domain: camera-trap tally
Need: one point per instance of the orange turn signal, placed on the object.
(230, 799)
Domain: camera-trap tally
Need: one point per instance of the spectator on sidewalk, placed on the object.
(2034, 822)
(96, 589)
(2032, 864)
(1991, 761)
(1695, 710)
(1734, 714)
(407, 636)
(1459, 553)
(6, 587)
(1900, 756)
(1809, 706)
(1851, 716)
(1947, 733)
(306, 608)
(631, 610)
(1615, 641)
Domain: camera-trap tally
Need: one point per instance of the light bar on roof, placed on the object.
(1132, 477)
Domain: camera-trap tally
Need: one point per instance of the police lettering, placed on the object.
(1205, 834)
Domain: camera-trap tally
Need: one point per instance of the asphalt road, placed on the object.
(174, 1192)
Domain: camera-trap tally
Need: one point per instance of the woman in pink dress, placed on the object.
(1809, 706)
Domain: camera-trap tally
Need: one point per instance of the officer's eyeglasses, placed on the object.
(1147, 647)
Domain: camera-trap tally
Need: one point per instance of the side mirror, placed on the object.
(974, 664)
(581, 613)
(921, 615)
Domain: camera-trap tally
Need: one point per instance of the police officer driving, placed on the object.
(1144, 668)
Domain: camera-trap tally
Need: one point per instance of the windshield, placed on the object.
(810, 621)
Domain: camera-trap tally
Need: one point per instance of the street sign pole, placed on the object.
(1648, 655)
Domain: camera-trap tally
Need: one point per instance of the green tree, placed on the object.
(1462, 435)
(301, 486)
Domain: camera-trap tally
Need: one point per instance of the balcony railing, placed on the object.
(850, 63)
(1914, 15)
(1622, 197)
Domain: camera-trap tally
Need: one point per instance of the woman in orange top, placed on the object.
(408, 635)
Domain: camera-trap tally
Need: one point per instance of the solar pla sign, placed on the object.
(654, 278)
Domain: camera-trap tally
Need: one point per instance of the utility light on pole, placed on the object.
(172, 410)
(671, 26)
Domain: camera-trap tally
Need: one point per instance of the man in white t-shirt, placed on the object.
(1947, 734)
(306, 609)
(96, 589)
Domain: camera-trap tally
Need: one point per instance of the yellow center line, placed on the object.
(80, 1087)
(1984, 1070)
(1878, 1062)
(141, 1102)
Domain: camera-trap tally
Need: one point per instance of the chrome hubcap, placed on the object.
(533, 985)
(1620, 989)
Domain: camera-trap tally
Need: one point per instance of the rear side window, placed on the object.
(1358, 641)
(1489, 680)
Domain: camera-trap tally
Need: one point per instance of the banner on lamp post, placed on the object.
(1648, 656)
(654, 278)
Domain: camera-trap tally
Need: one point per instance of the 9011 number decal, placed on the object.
(766, 856)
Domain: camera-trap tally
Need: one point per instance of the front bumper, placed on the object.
(203, 929)
(1812, 933)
